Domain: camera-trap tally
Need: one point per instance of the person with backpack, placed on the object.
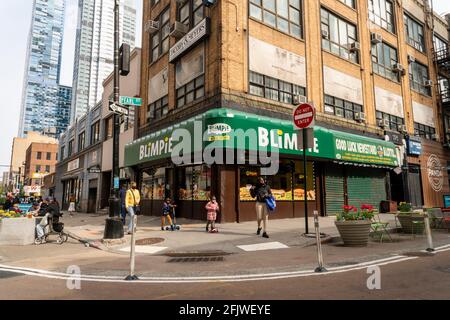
(261, 191)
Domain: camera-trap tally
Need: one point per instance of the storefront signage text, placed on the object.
(155, 148)
(414, 146)
(435, 174)
(199, 32)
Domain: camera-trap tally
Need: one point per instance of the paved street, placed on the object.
(418, 278)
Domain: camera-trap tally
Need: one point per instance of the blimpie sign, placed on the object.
(200, 31)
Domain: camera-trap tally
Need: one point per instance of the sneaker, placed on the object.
(162, 229)
(265, 235)
(207, 230)
(259, 231)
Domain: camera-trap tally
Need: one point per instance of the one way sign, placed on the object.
(118, 109)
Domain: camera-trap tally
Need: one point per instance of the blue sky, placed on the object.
(15, 18)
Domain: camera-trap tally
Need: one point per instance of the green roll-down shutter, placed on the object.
(334, 189)
(366, 186)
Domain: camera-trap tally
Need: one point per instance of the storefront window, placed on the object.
(281, 184)
(153, 186)
(290, 178)
(201, 178)
(194, 183)
(159, 184)
(299, 176)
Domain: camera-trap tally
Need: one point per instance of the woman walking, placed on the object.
(132, 202)
(72, 204)
(261, 192)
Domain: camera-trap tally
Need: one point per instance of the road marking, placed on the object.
(206, 279)
(263, 246)
(145, 249)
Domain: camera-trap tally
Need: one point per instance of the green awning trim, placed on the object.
(225, 128)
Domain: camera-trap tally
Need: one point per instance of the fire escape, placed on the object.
(442, 61)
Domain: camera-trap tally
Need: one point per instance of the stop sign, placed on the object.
(304, 116)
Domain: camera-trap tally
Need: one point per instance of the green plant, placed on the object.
(352, 213)
(404, 207)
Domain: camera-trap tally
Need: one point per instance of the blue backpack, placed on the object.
(271, 203)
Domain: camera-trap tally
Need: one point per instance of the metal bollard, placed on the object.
(132, 276)
(320, 268)
(428, 231)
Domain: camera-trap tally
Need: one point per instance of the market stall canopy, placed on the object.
(225, 128)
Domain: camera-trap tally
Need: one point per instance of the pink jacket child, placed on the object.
(212, 208)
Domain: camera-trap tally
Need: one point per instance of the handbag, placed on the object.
(136, 208)
(271, 204)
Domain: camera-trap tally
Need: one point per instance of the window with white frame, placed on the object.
(418, 76)
(384, 57)
(381, 12)
(414, 33)
(159, 41)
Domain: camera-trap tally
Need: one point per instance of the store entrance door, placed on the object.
(415, 186)
(92, 200)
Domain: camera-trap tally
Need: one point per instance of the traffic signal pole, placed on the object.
(114, 225)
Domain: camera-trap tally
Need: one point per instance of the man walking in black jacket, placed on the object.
(261, 192)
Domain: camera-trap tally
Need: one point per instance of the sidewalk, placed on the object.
(236, 250)
(193, 237)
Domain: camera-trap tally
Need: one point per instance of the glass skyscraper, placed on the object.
(94, 50)
(40, 98)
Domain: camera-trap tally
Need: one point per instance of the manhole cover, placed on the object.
(148, 241)
(198, 259)
(7, 274)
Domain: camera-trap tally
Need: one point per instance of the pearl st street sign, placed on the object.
(130, 101)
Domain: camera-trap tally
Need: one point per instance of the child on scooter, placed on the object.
(167, 213)
(212, 207)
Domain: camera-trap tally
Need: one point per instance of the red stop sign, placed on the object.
(304, 116)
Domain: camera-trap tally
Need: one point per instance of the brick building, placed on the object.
(376, 72)
(40, 161)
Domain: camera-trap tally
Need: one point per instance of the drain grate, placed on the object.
(7, 274)
(196, 259)
(148, 241)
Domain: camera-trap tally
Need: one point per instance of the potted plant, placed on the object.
(410, 221)
(353, 225)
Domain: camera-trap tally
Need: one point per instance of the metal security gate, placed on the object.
(353, 186)
(334, 189)
(366, 186)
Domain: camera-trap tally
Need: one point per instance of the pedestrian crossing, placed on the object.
(263, 246)
(145, 249)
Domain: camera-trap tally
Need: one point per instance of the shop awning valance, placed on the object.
(225, 128)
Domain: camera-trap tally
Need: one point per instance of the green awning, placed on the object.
(225, 128)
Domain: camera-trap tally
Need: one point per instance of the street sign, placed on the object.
(304, 116)
(119, 109)
(95, 170)
(129, 101)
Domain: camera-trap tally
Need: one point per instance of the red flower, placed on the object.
(355, 209)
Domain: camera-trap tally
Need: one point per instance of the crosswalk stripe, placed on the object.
(263, 246)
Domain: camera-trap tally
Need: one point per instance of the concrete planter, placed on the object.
(354, 233)
(17, 231)
(406, 221)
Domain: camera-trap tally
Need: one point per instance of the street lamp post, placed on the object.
(114, 225)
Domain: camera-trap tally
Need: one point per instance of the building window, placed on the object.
(191, 13)
(159, 41)
(38, 168)
(49, 156)
(341, 108)
(284, 15)
(70, 151)
(194, 90)
(395, 123)
(109, 128)
(418, 76)
(158, 109)
(384, 57)
(81, 141)
(95, 132)
(381, 12)
(440, 45)
(341, 34)
(350, 3)
(39, 155)
(63, 148)
(47, 169)
(274, 89)
(414, 33)
(424, 131)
